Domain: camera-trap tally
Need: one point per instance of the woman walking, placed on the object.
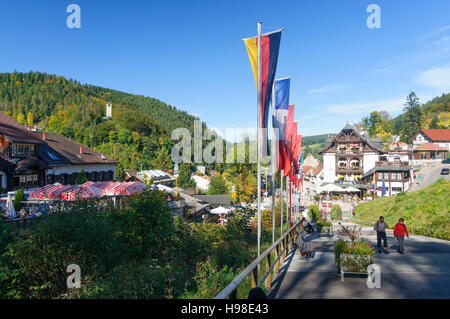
(399, 233)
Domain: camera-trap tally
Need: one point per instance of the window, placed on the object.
(397, 189)
(386, 176)
(380, 176)
(424, 155)
(22, 150)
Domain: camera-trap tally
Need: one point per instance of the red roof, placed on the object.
(437, 134)
(429, 147)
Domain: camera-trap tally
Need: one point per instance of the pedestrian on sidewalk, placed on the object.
(380, 226)
(399, 233)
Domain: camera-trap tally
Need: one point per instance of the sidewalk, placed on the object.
(423, 272)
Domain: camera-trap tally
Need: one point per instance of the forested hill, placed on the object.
(138, 134)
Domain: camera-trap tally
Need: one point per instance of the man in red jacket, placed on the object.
(399, 233)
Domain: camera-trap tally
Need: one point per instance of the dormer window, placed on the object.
(22, 150)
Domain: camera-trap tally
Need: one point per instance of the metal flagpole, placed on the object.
(281, 202)
(290, 203)
(274, 169)
(287, 200)
(259, 137)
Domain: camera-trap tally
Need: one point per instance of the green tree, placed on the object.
(217, 186)
(184, 177)
(81, 178)
(412, 119)
(162, 160)
(20, 196)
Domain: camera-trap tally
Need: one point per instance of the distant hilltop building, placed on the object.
(108, 111)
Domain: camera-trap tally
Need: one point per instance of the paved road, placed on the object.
(423, 272)
(430, 175)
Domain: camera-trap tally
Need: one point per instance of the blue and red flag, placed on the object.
(279, 119)
(270, 45)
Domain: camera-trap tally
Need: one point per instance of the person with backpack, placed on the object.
(380, 226)
(399, 233)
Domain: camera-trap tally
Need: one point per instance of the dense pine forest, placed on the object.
(138, 134)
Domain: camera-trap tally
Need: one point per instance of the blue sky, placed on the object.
(190, 53)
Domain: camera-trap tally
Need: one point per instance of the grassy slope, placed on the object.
(426, 212)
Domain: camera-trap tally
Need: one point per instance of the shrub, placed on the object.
(34, 264)
(210, 280)
(314, 212)
(336, 212)
(20, 196)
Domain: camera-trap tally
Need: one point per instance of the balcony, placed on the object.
(391, 164)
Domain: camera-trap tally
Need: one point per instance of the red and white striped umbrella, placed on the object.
(130, 188)
(110, 190)
(69, 194)
(44, 192)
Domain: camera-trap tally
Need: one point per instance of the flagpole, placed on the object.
(287, 200)
(274, 169)
(259, 137)
(281, 202)
(290, 203)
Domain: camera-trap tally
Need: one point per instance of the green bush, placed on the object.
(210, 280)
(20, 196)
(34, 264)
(336, 212)
(314, 212)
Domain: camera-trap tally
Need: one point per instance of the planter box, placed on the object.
(354, 264)
(326, 231)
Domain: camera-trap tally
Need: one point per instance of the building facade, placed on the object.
(31, 159)
(349, 155)
(440, 137)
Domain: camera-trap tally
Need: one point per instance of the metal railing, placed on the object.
(281, 248)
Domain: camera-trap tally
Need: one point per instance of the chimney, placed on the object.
(81, 149)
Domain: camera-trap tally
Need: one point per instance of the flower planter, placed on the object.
(326, 231)
(354, 264)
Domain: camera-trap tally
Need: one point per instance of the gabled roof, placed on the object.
(442, 135)
(374, 143)
(386, 169)
(5, 162)
(68, 151)
(430, 147)
(16, 132)
(223, 200)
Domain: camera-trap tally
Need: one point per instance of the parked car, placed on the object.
(446, 161)
(445, 171)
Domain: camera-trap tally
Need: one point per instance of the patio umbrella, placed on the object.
(10, 210)
(383, 189)
(219, 210)
(331, 188)
(352, 190)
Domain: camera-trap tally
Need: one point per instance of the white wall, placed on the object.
(77, 168)
(369, 160)
(329, 167)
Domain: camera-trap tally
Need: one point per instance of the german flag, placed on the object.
(270, 45)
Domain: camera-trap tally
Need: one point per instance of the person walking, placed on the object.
(399, 233)
(380, 226)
